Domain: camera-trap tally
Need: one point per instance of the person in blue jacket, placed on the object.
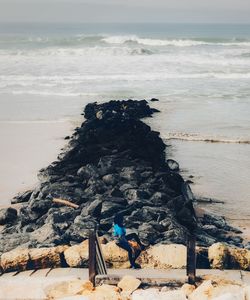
(122, 240)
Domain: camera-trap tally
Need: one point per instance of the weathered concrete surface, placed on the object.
(18, 285)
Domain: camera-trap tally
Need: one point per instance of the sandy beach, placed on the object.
(26, 147)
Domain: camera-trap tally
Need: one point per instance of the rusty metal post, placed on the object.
(191, 259)
(92, 256)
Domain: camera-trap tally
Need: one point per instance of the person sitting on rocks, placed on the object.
(130, 242)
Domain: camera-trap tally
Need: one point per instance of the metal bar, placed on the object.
(191, 259)
(92, 257)
(98, 245)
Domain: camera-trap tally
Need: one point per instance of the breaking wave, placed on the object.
(86, 51)
(172, 42)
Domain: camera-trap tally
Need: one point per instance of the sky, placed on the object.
(176, 11)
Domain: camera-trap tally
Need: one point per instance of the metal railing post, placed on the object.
(92, 257)
(191, 258)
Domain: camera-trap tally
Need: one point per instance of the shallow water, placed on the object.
(201, 73)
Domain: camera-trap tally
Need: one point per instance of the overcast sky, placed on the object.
(212, 11)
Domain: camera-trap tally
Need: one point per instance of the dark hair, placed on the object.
(118, 219)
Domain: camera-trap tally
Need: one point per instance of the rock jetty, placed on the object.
(112, 163)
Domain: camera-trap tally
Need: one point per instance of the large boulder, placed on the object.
(42, 258)
(211, 289)
(21, 259)
(239, 258)
(15, 260)
(69, 288)
(218, 256)
(13, 240)
(165, 257)
(129, 283)
(104, 292)
(47, 234)
(77, 255)
(7, 215)
(222, 256)
(115, 256)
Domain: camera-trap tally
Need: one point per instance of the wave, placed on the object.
(199, 138)
(51, 80)
(100, 39)
(86, 51)
(40, 92)
(171, 42)
(48, 41)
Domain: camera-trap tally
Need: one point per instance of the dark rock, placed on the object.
(173, 165)
(130, 174)
(109, 209)
(132, 195)
(22, 197)
(115, 192)
(26, 215)
(154, 100)
(95, 187)
(148, 234)
(110, 179)
(40, 206)
(87, 172)
(146, 174)
(117, 200)
(13, 240)
(176, 235)
(235, 240)
(7, 215)
(93, 210)
(126, 186)
(218, 221)
(79, 230)
(204, 239)
(159, 198)
(48, 234)
(211, 229)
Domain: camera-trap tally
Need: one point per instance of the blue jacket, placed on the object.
(119, 231)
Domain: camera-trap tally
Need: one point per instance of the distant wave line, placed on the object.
(172, 42)
(86, 51)
(198, 138)
(83, 39)
(10, 80)
(34, 121)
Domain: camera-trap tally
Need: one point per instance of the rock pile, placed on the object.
(113, 163)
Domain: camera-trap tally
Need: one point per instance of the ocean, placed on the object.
(200, 73)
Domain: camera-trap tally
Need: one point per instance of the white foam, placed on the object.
(151, 42)
(86, 51)
(44, 85)
(168, 42)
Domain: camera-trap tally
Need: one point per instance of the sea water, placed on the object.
(200, 73)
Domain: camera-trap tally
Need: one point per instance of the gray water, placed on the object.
(200, 73)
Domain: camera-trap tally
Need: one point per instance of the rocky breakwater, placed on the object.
(113, 163)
